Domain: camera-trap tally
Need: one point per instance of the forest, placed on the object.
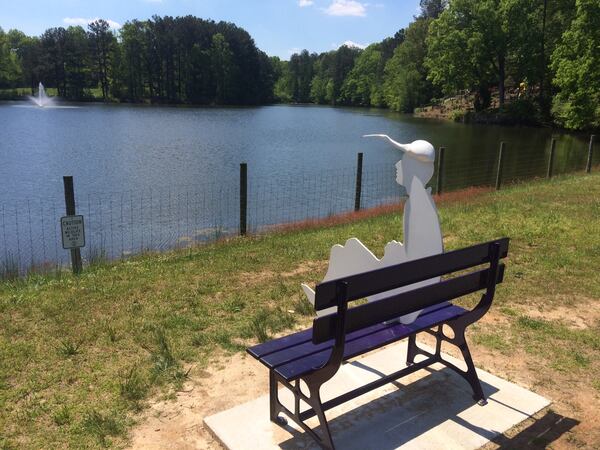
(542, 54)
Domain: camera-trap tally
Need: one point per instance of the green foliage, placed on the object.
(259, 325)
(477, 43)
(452, 47)
(364, 84)
(10, 70)
(68, 348)
(102, 425)
(164, 59)
(406, 85)
(162, 354)
(133, 387)
(576, 62)
(62, 416)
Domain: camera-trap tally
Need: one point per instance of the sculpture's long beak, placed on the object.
(398, 145)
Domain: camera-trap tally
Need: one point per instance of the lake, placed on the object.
(159, 177)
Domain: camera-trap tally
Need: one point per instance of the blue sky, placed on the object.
(279, 27)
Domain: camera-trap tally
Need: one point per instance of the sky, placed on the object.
(279, 27)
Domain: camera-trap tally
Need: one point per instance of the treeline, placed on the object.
(546, 51)
(165, 59)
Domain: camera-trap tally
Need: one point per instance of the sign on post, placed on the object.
(73, 233)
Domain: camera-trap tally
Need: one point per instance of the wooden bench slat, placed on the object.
(403, 303)
(288, 354)
(381, 280)
(384, 336)
(261, 350)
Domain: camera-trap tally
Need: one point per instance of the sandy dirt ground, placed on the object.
(570, 422)
(178, 423)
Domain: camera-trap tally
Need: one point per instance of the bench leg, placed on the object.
(412, 350)
(471, 373)
(274, 406)
(315, 396)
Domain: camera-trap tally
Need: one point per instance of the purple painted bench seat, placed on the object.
(295, 355)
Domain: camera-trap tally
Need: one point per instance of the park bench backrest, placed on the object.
(381, 280)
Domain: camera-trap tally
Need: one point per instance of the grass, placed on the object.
(79, 356)
(19, 93)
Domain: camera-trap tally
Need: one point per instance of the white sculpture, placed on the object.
(422, 233)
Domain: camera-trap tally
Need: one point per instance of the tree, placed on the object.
(431, 9)
(406, 85)
(29, 50)
(471, 42)
(102, 41)
(364, 84)
(77, 63)
(52, 59)
(10, 69)
(576, 62)
(221, 60)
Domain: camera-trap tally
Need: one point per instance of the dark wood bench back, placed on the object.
(382, 280)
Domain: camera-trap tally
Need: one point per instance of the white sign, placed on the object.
(73, 235)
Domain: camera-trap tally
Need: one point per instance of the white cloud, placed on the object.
(291, 51)
(353, 44)
(346, 8)
(85, 22)
(303, 3)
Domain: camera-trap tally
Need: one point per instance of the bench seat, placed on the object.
(295, 355)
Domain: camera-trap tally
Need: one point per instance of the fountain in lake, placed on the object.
(42, 100)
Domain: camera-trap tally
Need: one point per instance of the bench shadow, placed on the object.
(389, 421)
(540, 434)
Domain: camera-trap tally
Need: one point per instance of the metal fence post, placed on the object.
(588, 167)
(357, 195)
(551, 158)
(440, 174)
(243, 198)
(70, 209)
(500, 162)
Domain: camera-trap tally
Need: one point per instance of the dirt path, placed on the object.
(177, 424)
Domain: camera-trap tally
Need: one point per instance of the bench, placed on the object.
(315, 355)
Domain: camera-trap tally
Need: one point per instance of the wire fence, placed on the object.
(121, 224)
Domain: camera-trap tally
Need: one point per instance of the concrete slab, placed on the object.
(430, 409)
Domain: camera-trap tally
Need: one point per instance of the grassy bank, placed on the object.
(79, 356)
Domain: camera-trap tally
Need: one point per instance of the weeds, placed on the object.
(162, 355)
(133, 386)
(200, 340)
(96, 256)
(68, 348)
(9, 268)
(304, 307)
(102, 425)
(62, 416)
(259, 325)
(111, 331)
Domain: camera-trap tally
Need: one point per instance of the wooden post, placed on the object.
(551, 158)
(588, 167)
(359, 164)
(500, 162)
(243, 198)
(70, 208)
(440, 174)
